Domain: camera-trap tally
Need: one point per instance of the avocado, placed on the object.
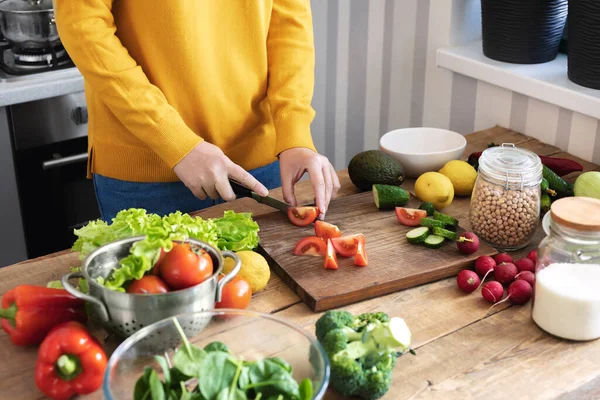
(375, 167)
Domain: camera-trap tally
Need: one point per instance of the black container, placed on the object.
(584, 43)
(522, 31)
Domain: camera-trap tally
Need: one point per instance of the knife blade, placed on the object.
(243, 191)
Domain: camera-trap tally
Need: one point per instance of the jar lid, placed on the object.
(578, 213)
(515, 166)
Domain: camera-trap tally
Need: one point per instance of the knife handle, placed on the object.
(239, 189)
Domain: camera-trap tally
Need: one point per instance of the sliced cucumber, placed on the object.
(418, 235)
(432, 223)
(446, 219)
(434, 241)
(387, 197)
(427, 207)
(445, 233)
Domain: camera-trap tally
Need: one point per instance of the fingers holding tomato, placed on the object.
(236, 294)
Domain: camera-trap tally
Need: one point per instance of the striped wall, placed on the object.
(376, 71)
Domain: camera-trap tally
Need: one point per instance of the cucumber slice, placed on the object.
(434, 241)
(417, 235)
(427, 207)
(387, 197)
(432, 223)
(445, 233)
(446, 219)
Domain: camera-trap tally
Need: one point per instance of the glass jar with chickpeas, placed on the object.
(505, 204)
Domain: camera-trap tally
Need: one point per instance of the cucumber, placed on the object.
(445, 233)
(446, 219)
(434, 242)
(427, 206)
(417, 235)
(556, 183)
(431, 223)
(387, 197)
(545, 204)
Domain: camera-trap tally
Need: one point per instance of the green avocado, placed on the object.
(373, 167)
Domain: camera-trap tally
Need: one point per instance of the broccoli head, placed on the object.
(362, 351)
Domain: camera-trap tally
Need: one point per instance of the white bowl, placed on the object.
(421, 150)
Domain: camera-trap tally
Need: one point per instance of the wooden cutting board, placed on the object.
(394, 264)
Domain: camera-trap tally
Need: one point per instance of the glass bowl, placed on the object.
(249, 335)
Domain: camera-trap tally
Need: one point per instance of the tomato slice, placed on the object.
(410, 216)
(326, 231)
(330, 257)
(360, 259)
(302, 216)
(311, 246)
(346, 246)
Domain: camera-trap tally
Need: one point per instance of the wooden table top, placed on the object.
(459, 355)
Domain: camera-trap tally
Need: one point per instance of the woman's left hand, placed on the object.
(295, 162)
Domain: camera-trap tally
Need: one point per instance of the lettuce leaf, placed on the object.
(237, 231)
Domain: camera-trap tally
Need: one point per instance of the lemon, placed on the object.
(255, 269)
(435, 188)
(462, 175)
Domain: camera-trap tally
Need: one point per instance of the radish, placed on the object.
(505, 273)
(533, 256)
(483, 265)
(519, 292)
(467, 243)
(468, 281)
(526, 276)
(503, 257)
(525, 264)
(492, 291)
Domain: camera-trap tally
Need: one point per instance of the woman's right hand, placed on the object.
(206, 171)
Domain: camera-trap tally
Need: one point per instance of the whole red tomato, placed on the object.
(236, 294)
(184, 267)
(149, 284)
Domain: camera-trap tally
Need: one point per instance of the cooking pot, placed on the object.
(124, 313)
(28, 23)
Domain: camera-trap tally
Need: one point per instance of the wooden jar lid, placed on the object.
(579, 213)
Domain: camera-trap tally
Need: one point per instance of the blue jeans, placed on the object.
(114, 195)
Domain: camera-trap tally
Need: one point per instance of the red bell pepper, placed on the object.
(29, 312)
(70, 362)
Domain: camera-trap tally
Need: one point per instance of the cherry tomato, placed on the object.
(236, 294)
(302, 216)
(360, 259)
(310, 246)
(330, 258)
(183, 267)
(149, 284)
(410, 216)
(346, 246)
(325, 230)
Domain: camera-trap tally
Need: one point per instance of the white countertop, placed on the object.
(39, 86)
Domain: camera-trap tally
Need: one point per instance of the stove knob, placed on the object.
(79, 115)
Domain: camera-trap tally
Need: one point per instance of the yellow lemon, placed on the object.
(255, 269)
(435, 188)
(462, 175)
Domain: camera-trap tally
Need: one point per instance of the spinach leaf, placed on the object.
(165, 367)
(244, 379)
(306, 389)
(157, 391)
(188, 360)
(280, 383)
(142, 386)
(216, 346)
(226, 394)
(284, 364)
(216, 373)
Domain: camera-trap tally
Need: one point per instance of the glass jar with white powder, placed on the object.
(566, 301)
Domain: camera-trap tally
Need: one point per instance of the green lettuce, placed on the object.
(237, 231)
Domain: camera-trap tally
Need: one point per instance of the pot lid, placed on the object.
(26, 5)
(578, 213)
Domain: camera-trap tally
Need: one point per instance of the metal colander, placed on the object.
(125, 313)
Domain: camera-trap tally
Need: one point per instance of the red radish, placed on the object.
(483, 265)
(505, 273)
(503, 257)
(519, 292)
(467, 281)
(492, 291)
(532, 256)
(525, 264)
(467, 243)
(526, 276)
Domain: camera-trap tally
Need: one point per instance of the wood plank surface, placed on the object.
(505, 356)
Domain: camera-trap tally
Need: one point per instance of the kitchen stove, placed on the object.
(20, 61)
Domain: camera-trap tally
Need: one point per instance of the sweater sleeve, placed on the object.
(291, 60)
(87, 31)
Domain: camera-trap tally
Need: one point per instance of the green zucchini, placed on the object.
(434, 242)
(417, 235)
(387, 196)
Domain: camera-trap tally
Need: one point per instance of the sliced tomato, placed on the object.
(360, 259)
(330, 257)
(325, 230)
(311, 246)
(410, 216)
(346, 246)
(302, 216)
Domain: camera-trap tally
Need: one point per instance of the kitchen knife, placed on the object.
(243, 191)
